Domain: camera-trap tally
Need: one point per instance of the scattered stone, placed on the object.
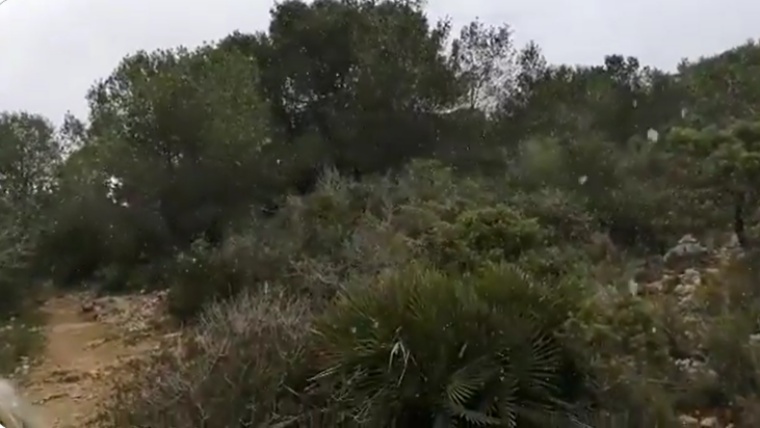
(655, 287)
(133, 314)
(88, 307)
(691, 276)
(687, 253)
(51, 397)
(710, 422)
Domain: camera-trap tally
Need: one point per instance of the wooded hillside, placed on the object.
(393, 233)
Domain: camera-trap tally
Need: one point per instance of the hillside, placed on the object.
(356, 225)
(94, 344)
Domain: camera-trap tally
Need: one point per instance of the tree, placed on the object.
(726, 162)
(29, 155)
(83, 221)
(182, 131)
(357, 84)
(533, 68)
(724, 88)
(485, 58)
(72, 133)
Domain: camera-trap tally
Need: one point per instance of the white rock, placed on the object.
(633, 287)
(710, 422)
(653, 135)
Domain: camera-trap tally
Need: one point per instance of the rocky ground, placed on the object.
(89, 341)
(686, 277)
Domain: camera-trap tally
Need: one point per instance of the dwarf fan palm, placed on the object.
(425, 349)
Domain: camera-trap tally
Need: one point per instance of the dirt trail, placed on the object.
(83, 348)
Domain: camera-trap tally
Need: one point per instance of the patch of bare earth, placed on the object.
(89, 341)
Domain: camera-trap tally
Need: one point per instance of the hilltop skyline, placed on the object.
(54, 51)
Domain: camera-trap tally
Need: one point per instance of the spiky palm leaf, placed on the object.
(425, 347)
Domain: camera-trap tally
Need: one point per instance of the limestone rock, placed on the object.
(687, 253)
(709, 422)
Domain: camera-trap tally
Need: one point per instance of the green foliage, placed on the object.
(342, 72)
(732, 301)
(628, 343)
(724, 88)
(200, 275)
(420, 347)
(191, 121)
(21, 339)
(563, 216)
(329, 158)
(724, 167)
(482, 235)
(16, 284)
(29, 154)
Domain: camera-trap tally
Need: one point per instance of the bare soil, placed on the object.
(88, 341)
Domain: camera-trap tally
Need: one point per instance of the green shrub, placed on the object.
(729, 307)
(628, 342)
(554, 262)
(420, 346)
(482, 235)
(561, 213)
(199, 276)
(20, 288)
(17, 284)
(20, 341)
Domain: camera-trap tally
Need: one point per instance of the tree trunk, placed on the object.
(739, 230)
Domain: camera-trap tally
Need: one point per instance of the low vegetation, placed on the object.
(360, 227)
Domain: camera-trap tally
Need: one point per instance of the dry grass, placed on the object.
(236, 368)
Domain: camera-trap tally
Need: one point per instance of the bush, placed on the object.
(420, 346)
(368, 242)
(245, 364)
(17, 285)
(313, 242)
(626, 341)
(198, 276)
(20, 341)
(20, 287)
(729, 307)
(563, 215)
(482, 235)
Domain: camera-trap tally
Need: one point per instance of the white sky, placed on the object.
(51, 51)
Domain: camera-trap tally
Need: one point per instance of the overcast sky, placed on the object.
(51, 51)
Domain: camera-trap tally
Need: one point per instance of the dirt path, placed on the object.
(70, 379)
